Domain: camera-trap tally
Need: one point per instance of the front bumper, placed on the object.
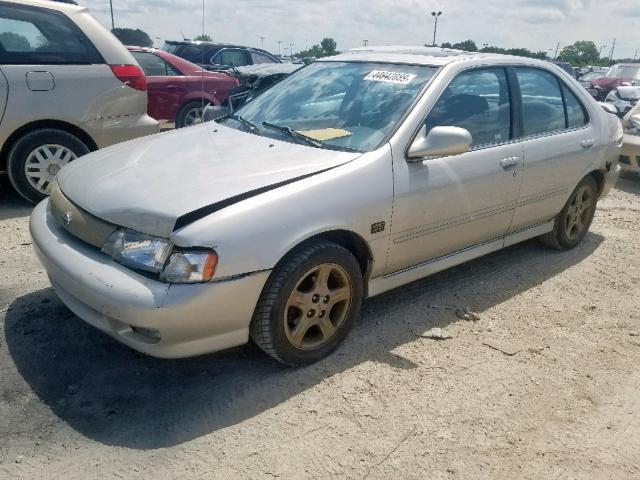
(189, 319)
(630, 154)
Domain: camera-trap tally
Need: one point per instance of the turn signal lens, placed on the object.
(190, 267)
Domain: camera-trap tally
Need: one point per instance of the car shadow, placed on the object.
(629, 184)
(12, 205)
(116, 396)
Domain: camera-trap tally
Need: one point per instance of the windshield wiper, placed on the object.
(243, 121)
(292, 133)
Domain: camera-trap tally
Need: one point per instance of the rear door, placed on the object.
(165, 85)
(558, 140)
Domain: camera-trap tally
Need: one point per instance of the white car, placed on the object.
(67, 87)
(355, 175)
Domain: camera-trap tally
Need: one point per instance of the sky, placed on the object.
(534, 24)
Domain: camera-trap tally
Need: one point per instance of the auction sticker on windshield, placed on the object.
(390, 77)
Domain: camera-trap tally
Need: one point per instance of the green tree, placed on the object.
(129, 36)
(467, 46)
(444, 45)
(14, 42)
(581, 53)
(203, 38)
(326, 48)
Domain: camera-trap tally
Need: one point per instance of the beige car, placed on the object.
(630, 153)
(67, 87)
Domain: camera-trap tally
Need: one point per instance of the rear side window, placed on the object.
(39, 36)
(233, 58)
(153, 65)
(542, 103)
(477, 101)
(259, 57)
(576, 113)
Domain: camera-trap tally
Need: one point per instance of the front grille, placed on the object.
(78, 222)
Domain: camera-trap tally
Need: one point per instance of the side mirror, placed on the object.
(609, 107)
(213, 112)
(440, 142)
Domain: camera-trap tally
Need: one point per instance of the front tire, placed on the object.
(573, 222)
(309, 304)
(35, 159)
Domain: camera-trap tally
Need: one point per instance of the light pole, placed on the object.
(435, 15)
(280, 47)
(365, 43)
(262, 40)
(291, 50)
(111, 7)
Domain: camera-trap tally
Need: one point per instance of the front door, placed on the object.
(443, 205)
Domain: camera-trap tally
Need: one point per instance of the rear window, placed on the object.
(193, 53)
(39, 36)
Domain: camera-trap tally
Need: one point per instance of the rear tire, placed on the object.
(35, 159)
(572, 224)
(308, 304)
(191, 113)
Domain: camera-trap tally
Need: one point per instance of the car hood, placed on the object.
(149, 183)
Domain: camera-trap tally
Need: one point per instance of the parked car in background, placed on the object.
(624, 98)
(67, 87)
(630, 153)
(566, 66)
(353, 176)
(254, 79)
(218, 56)
(616, 76)
(178, 89)
(586, 79)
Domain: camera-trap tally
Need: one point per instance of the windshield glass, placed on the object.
(624, 72)
(339, 105)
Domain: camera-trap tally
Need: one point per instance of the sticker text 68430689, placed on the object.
(390, 77)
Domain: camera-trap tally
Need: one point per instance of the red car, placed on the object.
(623, 73)
(178, 89)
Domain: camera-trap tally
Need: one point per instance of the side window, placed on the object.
(576, 113)
(477, 101)
(172, 71)
(152, 65)
(234, 58)
(259, 57)
(542, 105)
(39, 36)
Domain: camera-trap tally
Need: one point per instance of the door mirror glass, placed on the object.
(440, 142)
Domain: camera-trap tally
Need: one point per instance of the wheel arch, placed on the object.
(41, 124)
(598, 176)
(352, 242)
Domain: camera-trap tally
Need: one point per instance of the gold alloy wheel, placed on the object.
(579, 212)
(318, 306)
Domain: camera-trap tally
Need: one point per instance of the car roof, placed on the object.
(62, 6)
(416, 55)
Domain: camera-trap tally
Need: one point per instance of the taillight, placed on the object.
(131, 75)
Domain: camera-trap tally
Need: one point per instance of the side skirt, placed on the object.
(384, 283)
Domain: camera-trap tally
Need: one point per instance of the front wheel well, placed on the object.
(40, 124)
(355, 244)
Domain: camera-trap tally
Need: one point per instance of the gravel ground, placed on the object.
(388, 404)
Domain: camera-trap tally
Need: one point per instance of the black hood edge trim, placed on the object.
(195, 215)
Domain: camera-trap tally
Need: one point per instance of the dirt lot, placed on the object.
(388, 404)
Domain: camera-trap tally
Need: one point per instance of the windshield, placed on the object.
(624, 72)
(339, 105)
(193, 53)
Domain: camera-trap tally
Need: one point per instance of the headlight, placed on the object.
(190, 267)
(138, 250)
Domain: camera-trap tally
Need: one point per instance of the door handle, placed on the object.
(509, 162)
(586, 144)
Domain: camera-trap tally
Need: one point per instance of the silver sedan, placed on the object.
(355, 175)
